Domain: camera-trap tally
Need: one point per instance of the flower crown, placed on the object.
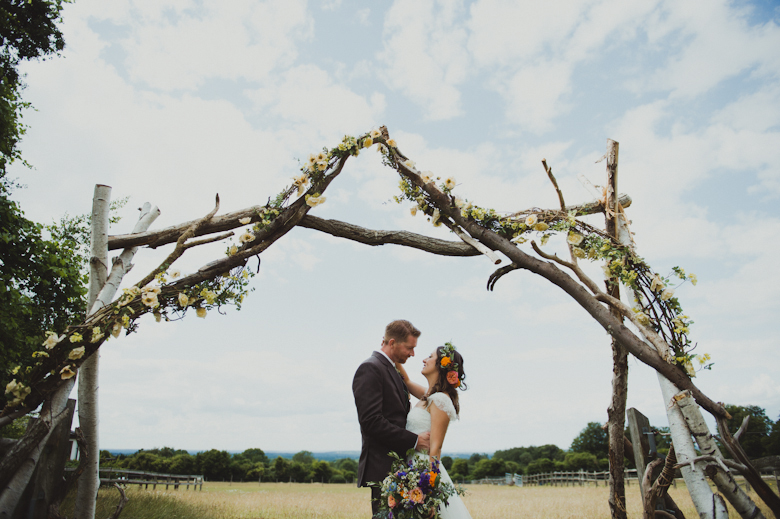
(447, 362)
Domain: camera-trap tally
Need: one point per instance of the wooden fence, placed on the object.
(142, 478)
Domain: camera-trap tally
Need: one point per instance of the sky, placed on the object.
(173, 101)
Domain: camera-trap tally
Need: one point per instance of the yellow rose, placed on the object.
(246, 219)
(201, 312)
(183, 299)
(531, 220)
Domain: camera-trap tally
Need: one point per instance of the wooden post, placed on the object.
(616, 412)
(89, 481)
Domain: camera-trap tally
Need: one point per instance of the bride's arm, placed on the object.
(439, 423)
(414, 388)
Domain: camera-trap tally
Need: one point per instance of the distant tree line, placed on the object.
(588, 451)
(250, 465)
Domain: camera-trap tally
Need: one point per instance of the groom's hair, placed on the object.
(400, 330)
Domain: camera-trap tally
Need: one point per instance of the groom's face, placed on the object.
(401, 351)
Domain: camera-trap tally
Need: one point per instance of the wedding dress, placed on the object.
(419, 421)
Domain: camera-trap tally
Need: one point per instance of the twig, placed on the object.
(122, 502)
(180, 246)
(742, 428)
(208, 240)
(548, 169)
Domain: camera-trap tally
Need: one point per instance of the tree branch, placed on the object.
(375, 238)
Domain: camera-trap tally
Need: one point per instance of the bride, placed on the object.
(438, 406)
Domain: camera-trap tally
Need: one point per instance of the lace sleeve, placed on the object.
(444, 403)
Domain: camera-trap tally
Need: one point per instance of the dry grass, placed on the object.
(299, 501)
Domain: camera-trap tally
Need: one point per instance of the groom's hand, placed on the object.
(424, 441)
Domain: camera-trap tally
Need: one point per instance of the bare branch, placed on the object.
(122, 502)
(742, 428)
(375, 238)
(180, 246)
(549, 172)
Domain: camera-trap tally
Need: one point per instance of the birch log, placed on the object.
(52, 412)
(723, 479)
(709, 505)
(88, 374)
(89, 482)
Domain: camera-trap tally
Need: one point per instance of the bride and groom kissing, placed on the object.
(389, 423)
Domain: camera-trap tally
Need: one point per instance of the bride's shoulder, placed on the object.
(444, 402)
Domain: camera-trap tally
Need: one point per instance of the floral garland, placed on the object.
(656, 306)
(62, 354)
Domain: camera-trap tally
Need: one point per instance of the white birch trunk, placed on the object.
(52, 412)
(722, 478)
(103, 295)
(709, 505)
(89, 482)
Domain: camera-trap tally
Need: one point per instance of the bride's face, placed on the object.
(429, 364)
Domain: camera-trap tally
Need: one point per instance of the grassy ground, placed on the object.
(299, 501)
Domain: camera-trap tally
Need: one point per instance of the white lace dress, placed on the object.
(419, 421)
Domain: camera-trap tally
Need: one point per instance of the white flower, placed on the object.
(246, 237)
(175, 273)
(693, 279)
(51, 340)
(232, 250)
(183, 299)
(314, 200)
(201, 312)
(368, 142)
(449, 183)
(322, 157)
(245, 220)
(531, 220)
(97, 334)
(426, 176)
(392, 143)
(667, 294)
(409, 163)
(459, 202)
(689, 369)
(642, 318)
(311, 161)
(76, 353)
(150, 289)
(150, 300)
(375, 134)
(413, 210)
(116, 329)
(656, 284)
(574, 239)
(541, 226)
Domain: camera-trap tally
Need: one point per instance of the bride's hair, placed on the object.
(442, 385)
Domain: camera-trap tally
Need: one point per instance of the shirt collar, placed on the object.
(388, 358)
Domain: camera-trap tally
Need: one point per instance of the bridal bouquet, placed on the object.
(413, 490)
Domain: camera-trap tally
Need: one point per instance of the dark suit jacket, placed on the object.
(382, 405)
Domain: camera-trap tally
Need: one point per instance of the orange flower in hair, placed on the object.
(445, 361)
(452, 378)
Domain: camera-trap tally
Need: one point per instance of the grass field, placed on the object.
(303, 501)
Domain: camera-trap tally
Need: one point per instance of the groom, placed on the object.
(382, 403)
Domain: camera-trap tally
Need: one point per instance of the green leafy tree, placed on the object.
(28, 30)
(772, 442)
(489, 468)
(447, 462)
(460, 469)
(282, 469)
(183, 464)
(304, 457)
(593, 439)
(214, 464)
(321, 471)
(255, 456)
(540, 466)
(581, 461)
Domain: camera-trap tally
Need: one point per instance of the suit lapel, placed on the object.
(396, 380)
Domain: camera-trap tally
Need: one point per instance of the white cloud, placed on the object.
(173, 52)
(713, 41)
(424, 54)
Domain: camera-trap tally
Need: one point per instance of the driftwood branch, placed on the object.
(742, 428)
(375, 237)
(122, 502)
(498, 274)
(550, 175)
